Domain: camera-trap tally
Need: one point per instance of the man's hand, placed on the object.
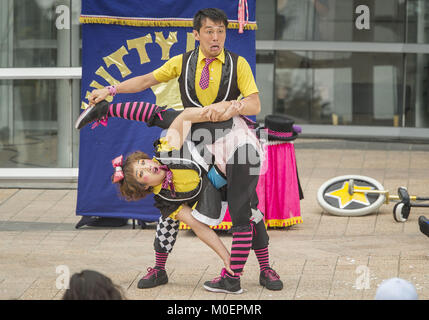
(222, 111)
(98, 95)
(234, 109)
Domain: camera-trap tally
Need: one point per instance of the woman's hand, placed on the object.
(215, 112)
(98, 95)
(227, 264)
(222, 111)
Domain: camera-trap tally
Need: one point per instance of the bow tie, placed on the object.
(168, 180)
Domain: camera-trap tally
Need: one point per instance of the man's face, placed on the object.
(212, 37)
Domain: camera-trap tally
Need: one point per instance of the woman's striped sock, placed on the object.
(263, 258)
(138, 111)
(241, 245)
(160, 260)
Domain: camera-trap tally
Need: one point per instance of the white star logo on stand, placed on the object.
(345, 198)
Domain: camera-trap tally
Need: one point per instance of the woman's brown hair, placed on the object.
(129, 187)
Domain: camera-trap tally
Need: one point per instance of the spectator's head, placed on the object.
(396, 289)
(92, 285)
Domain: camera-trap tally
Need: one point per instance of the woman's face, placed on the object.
(148, 172)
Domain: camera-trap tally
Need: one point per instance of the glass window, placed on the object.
(265, 81)
(418, 21)
(76, 34)
(340, 88)
(36, 33)
(264, 13)
(337, 20)
(417, 97)
(35, 124)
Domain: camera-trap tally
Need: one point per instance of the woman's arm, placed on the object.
(180, 127)
(207, 235)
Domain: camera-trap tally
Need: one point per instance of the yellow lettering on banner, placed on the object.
(166, 44)
(140, 45)
(117, 58)
(96, 85)
(84, 105)
(166, 93)
(190, 41)
(106, 76)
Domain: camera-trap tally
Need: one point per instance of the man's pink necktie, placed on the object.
(204, 81)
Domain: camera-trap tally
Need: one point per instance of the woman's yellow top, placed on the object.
(184, 180)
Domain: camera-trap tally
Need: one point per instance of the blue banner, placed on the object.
(118, 43)
(162, 8)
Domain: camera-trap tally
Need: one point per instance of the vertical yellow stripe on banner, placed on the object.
(190, 42)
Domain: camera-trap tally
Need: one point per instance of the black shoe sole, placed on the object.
(222, 290)
(141, 285)
(273, 287)
(77, 124)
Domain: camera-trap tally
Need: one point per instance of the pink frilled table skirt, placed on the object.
(278, 188)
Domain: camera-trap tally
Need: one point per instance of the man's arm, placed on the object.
(137, 84)
(251, 105)
(132, 85)
(169, 70)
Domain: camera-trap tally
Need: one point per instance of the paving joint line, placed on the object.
(333, 276)
(10, 196)
(199, 280)
(299, 280)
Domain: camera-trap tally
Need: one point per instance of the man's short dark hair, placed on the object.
(213, 14)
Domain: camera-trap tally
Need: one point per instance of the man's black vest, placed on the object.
(228, 87)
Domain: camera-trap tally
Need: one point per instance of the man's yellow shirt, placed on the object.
(245, 80)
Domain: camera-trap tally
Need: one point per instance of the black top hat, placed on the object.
(279, 127)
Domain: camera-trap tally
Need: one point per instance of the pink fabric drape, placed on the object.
(277, 188)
